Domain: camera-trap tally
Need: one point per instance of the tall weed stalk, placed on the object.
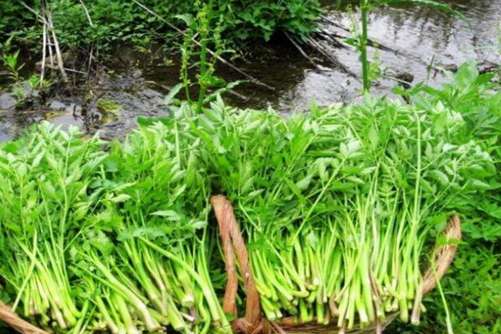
(202, 35)
(362, 39)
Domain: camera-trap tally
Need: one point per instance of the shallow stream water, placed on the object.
(415, 42)
(412, 40)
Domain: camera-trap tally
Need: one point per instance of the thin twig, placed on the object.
(51, 55)
(44, 52)
(238, 95)
(91, 56)
(59, 56)
(67, 69)
(277, 329)
(371, 41)
(334, 23)
(231, 91)
(87, 13)
(300, 49)
(46, 20)
(38, 16)
(322, 49)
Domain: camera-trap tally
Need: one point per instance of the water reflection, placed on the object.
(418, 36)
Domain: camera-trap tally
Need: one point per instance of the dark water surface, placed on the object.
(416, 41)
(418, 37)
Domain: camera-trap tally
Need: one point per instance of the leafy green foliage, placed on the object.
(196, 55)
(473, 286)
(317, 186)
(340, 209)
(11, 63)
(107, 240)
(46, 177)
(124, 21)
(15, 19)
(472, 289)
(476, 98)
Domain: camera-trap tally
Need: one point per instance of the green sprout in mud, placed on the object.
(108, 109)
(11, 63)
(19, 85)
(107, 106)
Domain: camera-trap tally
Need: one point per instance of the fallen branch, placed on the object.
(87, 13)
(322, 49)
(59, 56)
(300, 49)
(45, 17)
(372, 42)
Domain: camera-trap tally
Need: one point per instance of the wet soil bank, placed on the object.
(413, 44)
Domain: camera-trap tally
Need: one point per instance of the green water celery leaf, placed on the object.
(340, 208)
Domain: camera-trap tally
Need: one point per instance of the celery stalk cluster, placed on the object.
(341, 207)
